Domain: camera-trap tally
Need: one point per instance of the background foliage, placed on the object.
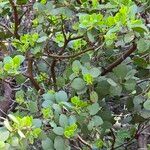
(75, 74)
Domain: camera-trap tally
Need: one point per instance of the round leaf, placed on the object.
(63, 120)
(59, 143)
(58, 130)
(4, 134)
(78, 84)
(147, 104)
(95, 72)
(47, 144)
(61, 96)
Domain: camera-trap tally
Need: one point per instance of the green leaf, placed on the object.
(129, 37)
(147, 104)
(78, 84)
(15, 141)
(21, 2)
(70, 130)
(76, 65)
(13, 118)
(60, 81)
(59, 143)
(121, 71)
(130, 84)
(90, 125)
(143, 45)
(111, 82)
(36, 49)
(123, 134)
(90, 36)
(139, 28)
(7, 125)
(93, 109)
(58, 130)
(8, 59)
(2, 144)
(88, 79)
(49, 99)
(77, 102)
(57, 108)
(141, 62)
(18, 59)
(95, 72)
(47, 113)
(4, 134)
(72, 119)
(115, 91)
(33, 106)
(47, 144)
(42, 39)
(8, 63)
(19, 96)
(37, 123)
(63, 120)
(97, 121)
(62, 11)
(61, 96)
(21, 134)
(93, 96)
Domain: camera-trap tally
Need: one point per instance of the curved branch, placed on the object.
(84, 142)
(119, 60)
(70, 56)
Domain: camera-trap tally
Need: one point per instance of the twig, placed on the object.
(16, 18)
(53, 74)
(69, 56)
(124, 144)
(79, 2)
(54, 62)
(76, 37)
(114, 139)
(4, 26)
(119, 60)
(144, 80)
(84, 142)
(7, 103)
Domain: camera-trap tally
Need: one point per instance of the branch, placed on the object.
(113, 140)
(79, 2)
(53, 74)
(16, 18)
(4, 26)
(119, 60)
(70, 56)
(54, 62)
(31, 77)
(76, 38)
(7, 103)
(84, 142)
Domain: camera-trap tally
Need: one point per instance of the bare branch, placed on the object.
(119, 60)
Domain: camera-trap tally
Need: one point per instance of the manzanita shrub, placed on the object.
(82, 74)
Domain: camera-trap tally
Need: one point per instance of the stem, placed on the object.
(16, 18)
(114, 139)
(84, 142)
(119, 60)
(4, 26)
(70, 56)
(31, 77)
